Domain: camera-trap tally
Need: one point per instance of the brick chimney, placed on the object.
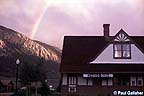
(106, 31)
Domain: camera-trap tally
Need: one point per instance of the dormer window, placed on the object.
(122, 51)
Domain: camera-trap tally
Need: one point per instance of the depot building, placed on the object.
(102, 65)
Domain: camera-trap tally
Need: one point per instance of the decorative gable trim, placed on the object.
(122, 36)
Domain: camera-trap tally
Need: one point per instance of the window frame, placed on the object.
(140, 78)
(133, 81)
(122, 51)
(72, 83)
(105, 82)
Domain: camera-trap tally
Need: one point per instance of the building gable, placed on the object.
(95, 53)
(122, 36)
(108, 54)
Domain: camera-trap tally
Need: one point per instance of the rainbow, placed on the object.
(38, 21)
(56, 2)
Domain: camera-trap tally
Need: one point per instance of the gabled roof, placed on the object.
(122, 36)
(5, 82)
(79, 50)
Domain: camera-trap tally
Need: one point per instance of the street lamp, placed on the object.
(17, 63)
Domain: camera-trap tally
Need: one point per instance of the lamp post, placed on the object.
(17, 63)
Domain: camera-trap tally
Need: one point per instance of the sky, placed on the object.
(50, 20)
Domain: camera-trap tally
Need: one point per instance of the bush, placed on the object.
(44, 90)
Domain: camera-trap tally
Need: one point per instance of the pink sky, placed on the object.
(50, 20)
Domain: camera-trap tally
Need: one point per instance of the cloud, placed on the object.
(20, 15)
(72, 17)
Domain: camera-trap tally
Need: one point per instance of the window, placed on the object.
(133, 81)
(107, 82)
(136, 81)
(96, 81)
(110, 82)
(72, 89)
(139, 81)
(121, 80)
(104, 82)
(72, 82)
(122, 51)
(89, 81)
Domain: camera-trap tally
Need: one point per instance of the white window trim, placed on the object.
(110, 82)
(140, 79)
(70, 89)
(104, 82)
(72, 82)
(133, 78)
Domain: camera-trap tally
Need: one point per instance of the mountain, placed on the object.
(14, 45)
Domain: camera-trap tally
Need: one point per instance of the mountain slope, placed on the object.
(14, 45)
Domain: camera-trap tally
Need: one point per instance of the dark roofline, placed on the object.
(74, 55)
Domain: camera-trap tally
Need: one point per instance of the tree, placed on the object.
(58, 89)
(32, 73)
(44, 90)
